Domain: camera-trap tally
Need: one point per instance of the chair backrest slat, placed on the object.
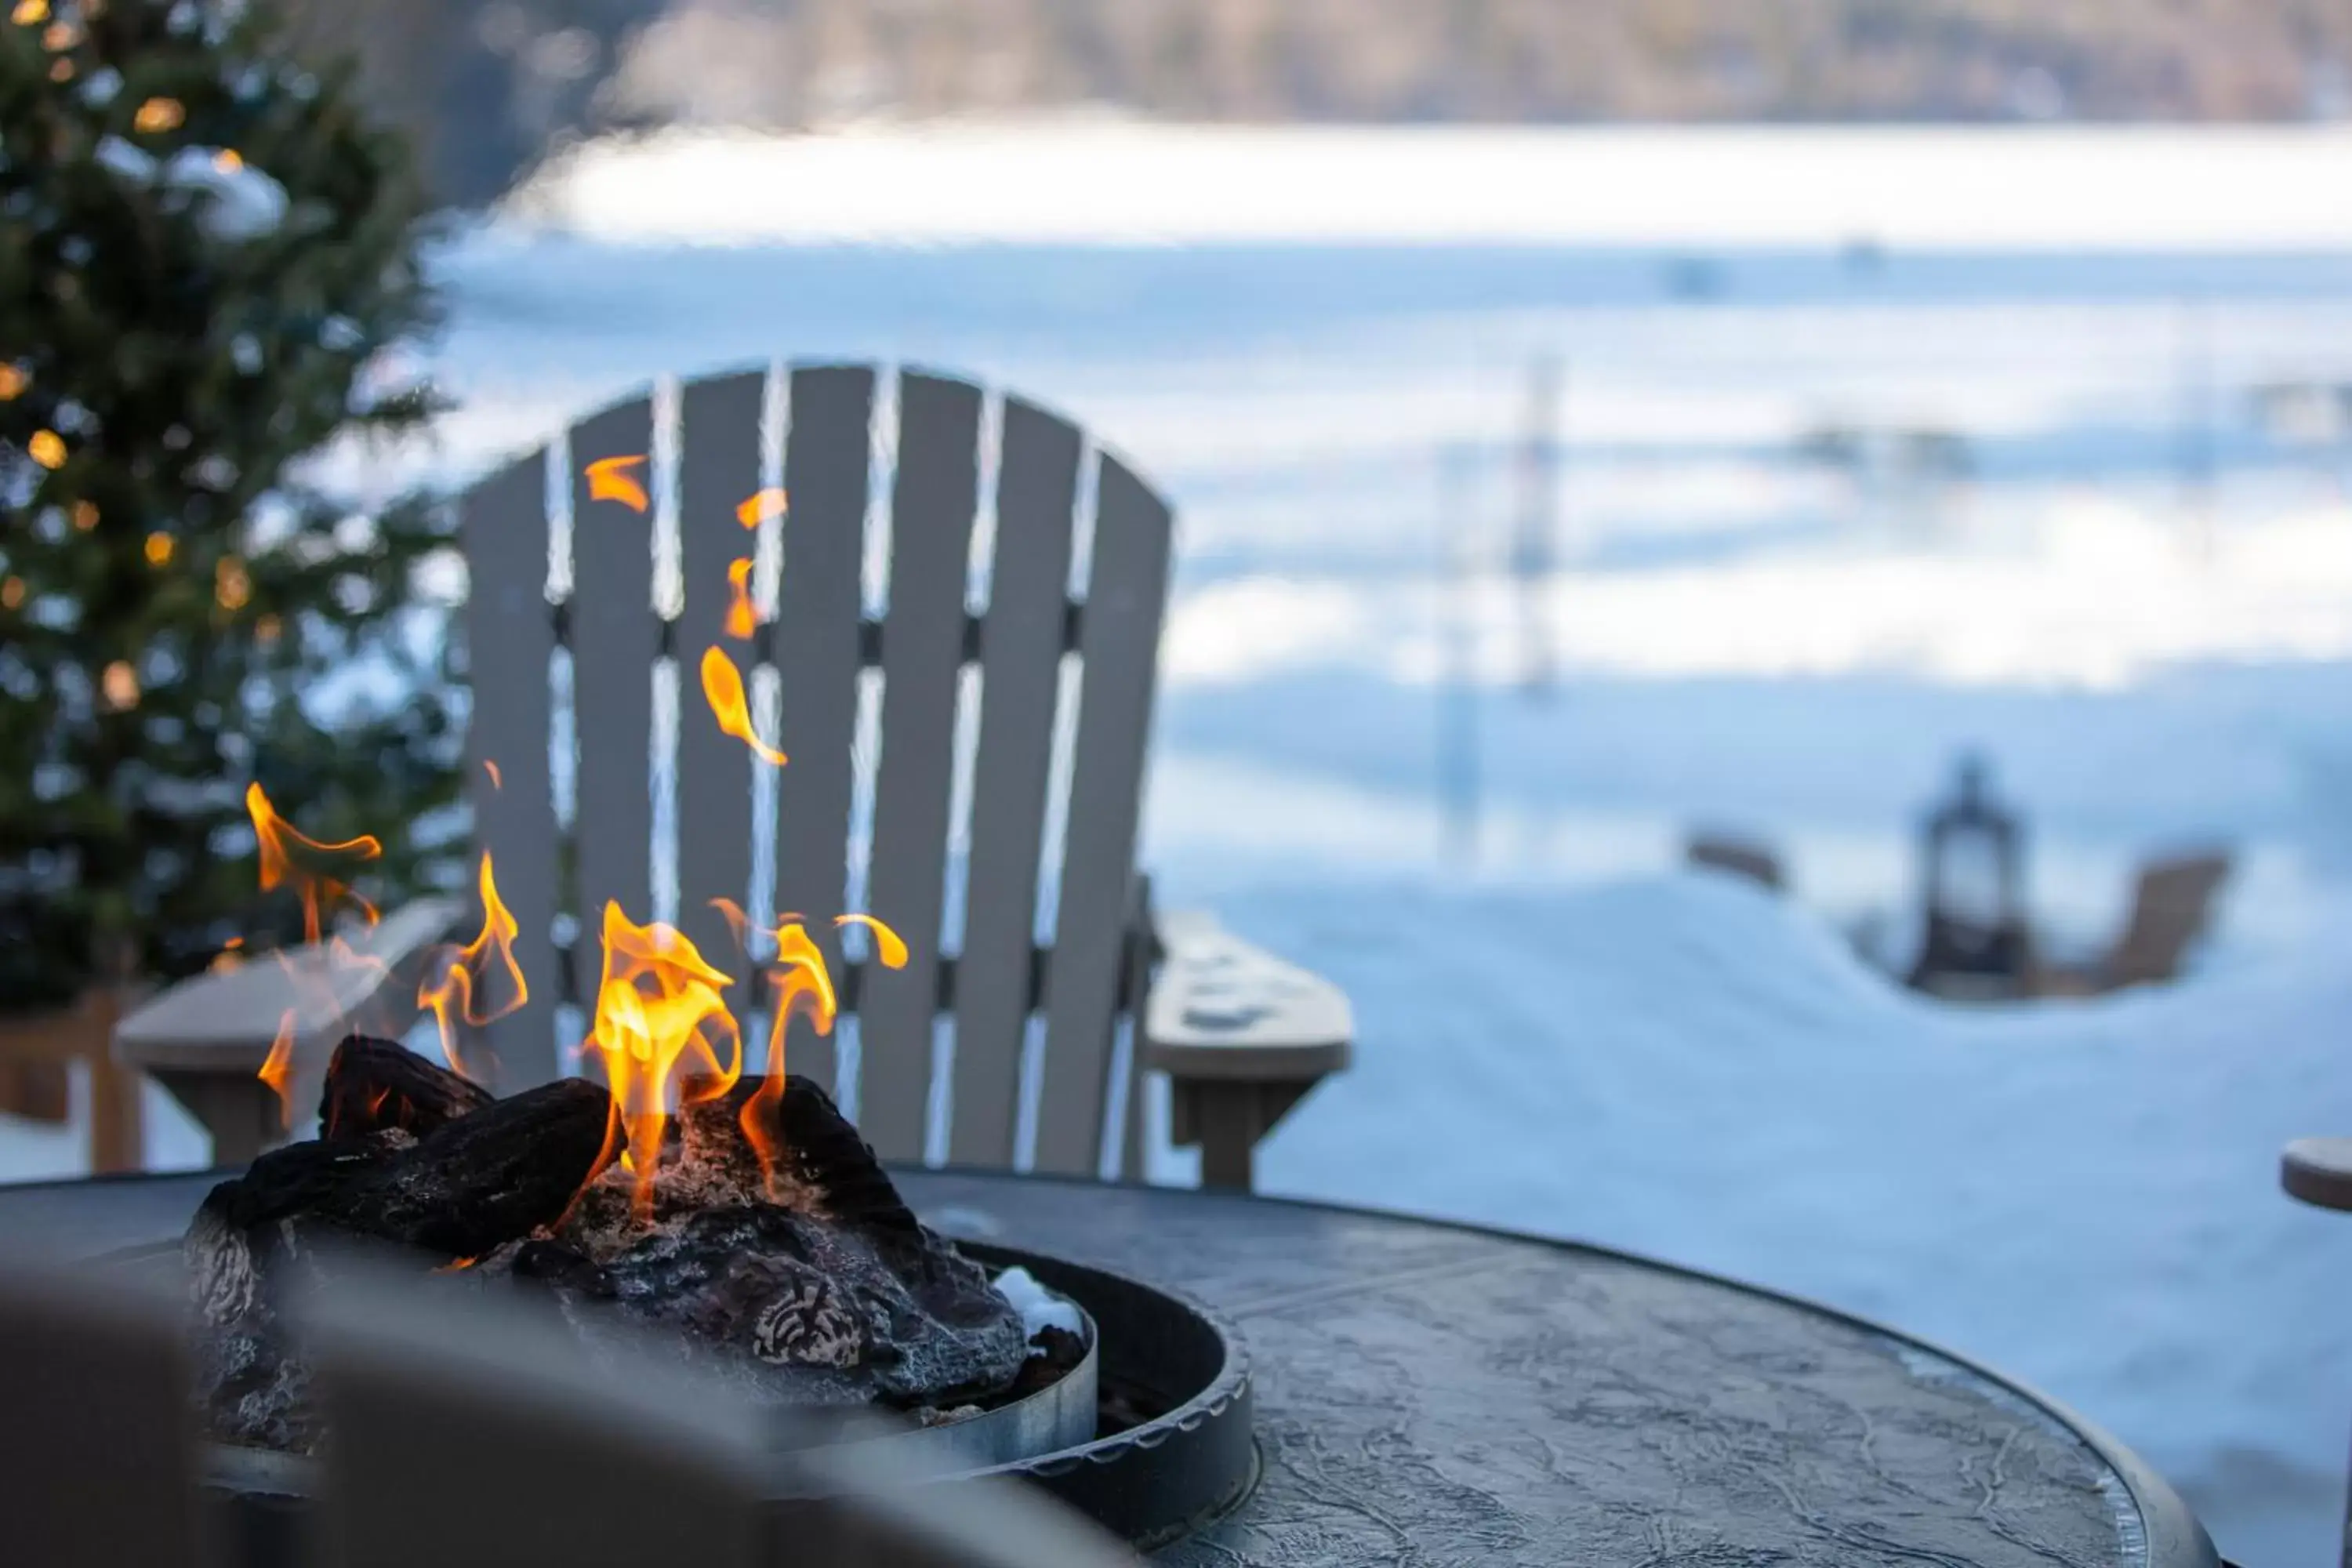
(615, 639)
(932, 502)
(719, 469)
(510, 637)
(1127, 591)
(1020, 670)
(827, 457)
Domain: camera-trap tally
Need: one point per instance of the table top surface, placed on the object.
(1433, 1394)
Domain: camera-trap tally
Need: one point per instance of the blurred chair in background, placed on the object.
(2172, 906)
(1736, 856)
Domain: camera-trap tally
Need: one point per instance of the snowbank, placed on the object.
(2083, 1194)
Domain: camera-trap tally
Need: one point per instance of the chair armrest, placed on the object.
(1224, 1009)
(226, 1020)
(2319, 1170)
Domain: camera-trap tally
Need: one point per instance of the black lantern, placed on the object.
(1972, 878)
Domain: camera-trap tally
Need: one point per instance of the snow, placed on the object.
(1039, 1308)
(237, 201)
(1560, 1032)
(2084, 1196)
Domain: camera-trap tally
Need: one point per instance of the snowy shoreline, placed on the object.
(1108, 182)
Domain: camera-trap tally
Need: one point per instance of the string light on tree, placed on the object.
(120, 684)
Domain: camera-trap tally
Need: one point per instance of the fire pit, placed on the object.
(757, 1238)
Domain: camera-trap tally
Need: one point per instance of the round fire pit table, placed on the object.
(1430, 1392)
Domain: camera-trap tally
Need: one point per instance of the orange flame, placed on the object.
(613, 479)
(722, 687)
(278, 840)
(887, 943)
(277, 1070)
(800, 984)
(498, 779)
(761, 505)
(659, 1019)
(742, 620)
(462, 971)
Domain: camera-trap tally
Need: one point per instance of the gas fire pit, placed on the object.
(763, 1245)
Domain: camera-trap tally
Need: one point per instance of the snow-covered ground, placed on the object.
(2133, 587)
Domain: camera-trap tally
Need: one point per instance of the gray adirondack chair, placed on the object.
(1241, 1035)
(466, 1436)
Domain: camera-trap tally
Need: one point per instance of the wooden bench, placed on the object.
(1242, 1036)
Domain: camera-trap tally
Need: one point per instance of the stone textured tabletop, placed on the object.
(1433, 1394)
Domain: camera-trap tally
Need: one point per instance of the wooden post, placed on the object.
(117, 1133)
(85, 1033)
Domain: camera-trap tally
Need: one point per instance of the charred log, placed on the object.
(374, 1084)
(474, 1182)
(823, 1161)
(817, 1289)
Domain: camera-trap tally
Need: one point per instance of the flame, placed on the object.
(277, 840)
(277, 1069)
(498, 780)
(660, 1018)
(800, 984)
(610, 478)
(761, 505)
(742, 620)
(722, 686)
(461, 973)
(886, 943)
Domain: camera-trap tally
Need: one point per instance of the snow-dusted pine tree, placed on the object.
(205, 253)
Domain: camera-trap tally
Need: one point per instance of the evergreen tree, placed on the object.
(205, 253)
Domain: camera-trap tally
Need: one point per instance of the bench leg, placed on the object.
(1227, 1117)
(238, 1110)
(1225, 1114)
